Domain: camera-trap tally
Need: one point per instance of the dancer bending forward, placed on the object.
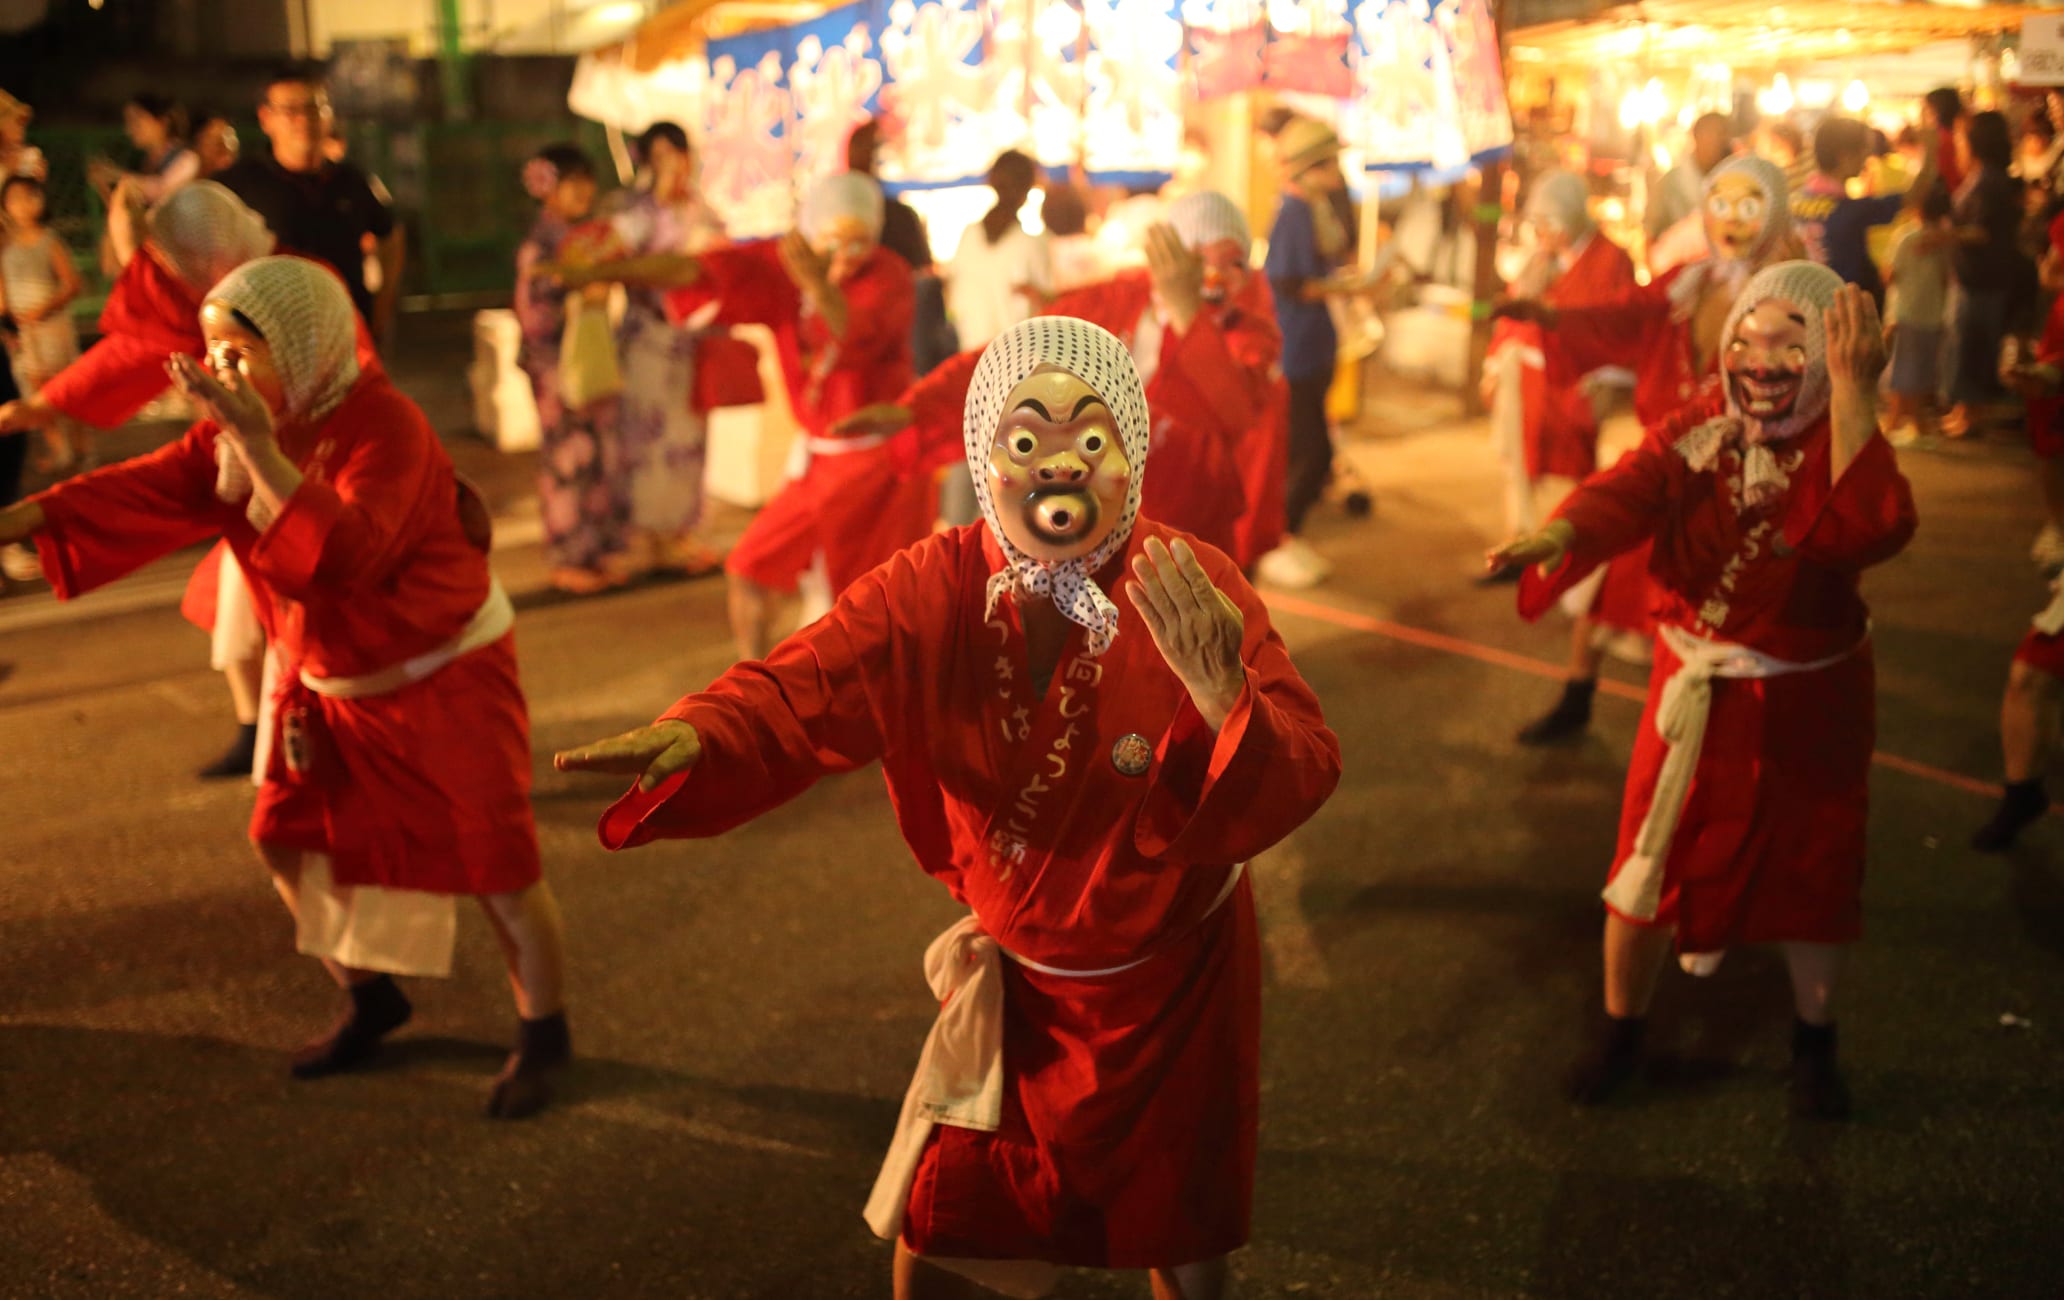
(395, 755)
(1088, 773)
(1747, 791)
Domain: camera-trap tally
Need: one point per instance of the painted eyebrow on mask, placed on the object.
(1034, 404)
(1088, 401)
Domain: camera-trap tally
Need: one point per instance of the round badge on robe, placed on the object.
(1132, 755)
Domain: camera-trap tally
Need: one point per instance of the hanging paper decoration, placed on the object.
(1430, 85)
(1224, 42)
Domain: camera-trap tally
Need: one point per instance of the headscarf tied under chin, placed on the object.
(205, 231)
(843, 194)
(301, 309)
(1100, 360)
(1810, 287)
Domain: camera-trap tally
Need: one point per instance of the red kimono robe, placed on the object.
(368, 565)
(1561, 428)
(1219, 405)
(853, 502)
(1128, 1124)
(1651, 327)
(1770, 845)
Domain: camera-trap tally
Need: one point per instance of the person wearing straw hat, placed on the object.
(1748, 789)
(395, 751)
(1087, 725)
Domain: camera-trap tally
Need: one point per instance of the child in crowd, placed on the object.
(1916, 309)
(37, 284)
(583, 494)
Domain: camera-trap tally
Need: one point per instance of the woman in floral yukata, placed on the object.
(1088, 773)
(583, 489)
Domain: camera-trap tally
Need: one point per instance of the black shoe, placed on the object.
(2023, 803)
(524, 1087)
(1568, 720)
(378, 1008)
(237, 759)
(1595, 1077)
(1817, 1088)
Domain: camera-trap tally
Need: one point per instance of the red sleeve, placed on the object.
(1615, 510)
(112, 381)
(349, 530)
(938, 406)
(1611, 334)
(1867, 517)
(2049, 350)
(771, 729)
(1227, 797)
(748, 284)
(109, 523)
(1223, 376)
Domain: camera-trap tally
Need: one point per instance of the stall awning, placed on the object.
(1754, 33)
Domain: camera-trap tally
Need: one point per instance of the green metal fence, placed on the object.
(457, 185)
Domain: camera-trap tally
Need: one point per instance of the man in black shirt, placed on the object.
(326, 210)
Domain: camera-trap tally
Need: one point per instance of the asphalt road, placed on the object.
(748, 1010)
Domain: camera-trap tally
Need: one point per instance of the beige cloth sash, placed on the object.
(1636, 890)
(959, 1079)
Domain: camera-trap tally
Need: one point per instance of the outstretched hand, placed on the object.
(652, 754)
(1530, 310)
(882, 417)
(1855, 340)
(1196, 627)
(1545, 548)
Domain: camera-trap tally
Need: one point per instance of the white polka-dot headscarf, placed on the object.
(843, 194)
(1099, 359)
(302, 310)
(1207, 217)
(205, 231)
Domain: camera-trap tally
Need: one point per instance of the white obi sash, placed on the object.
(1636, 890)
(959, 1079)
(369, 927)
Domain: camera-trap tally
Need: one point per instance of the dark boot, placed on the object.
(1611, 1062)
(524, 1086)
(1818, 1090)
(378, 1008)
(237, 759)
(2023, 803)
(1569, 719)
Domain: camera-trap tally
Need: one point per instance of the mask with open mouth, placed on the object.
(1775, 348)
(1055, 434)
(1747, 209)
(1213, 227)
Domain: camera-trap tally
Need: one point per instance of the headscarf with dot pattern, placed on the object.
(303, 311)
(1101, 360)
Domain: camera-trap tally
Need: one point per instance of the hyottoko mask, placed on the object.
(1745, 211)
(1056, 438)
(1775, 351)
(1058, 472)
(1213, 227)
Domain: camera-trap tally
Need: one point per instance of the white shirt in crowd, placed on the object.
(983, 279)
(1918, 294)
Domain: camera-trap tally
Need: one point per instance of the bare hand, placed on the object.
(22, 416)
(1855, 340)
(1178, 274)
(807, 268)
(1545, 548)
(1529, 310)
(652, 754)
(1196, 627)
(19, 522)
(232, 405)
(882, 417)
